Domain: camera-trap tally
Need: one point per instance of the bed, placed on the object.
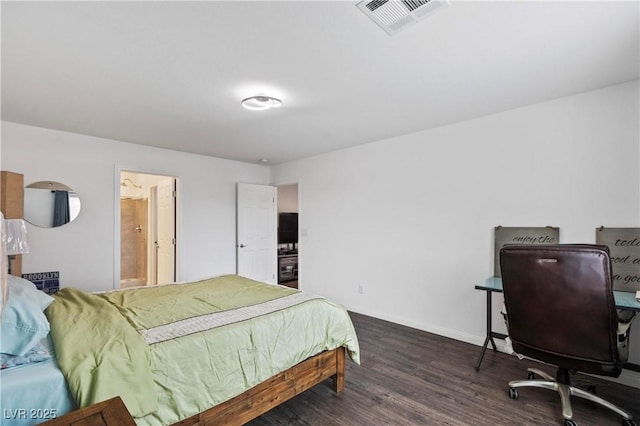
(220, 350)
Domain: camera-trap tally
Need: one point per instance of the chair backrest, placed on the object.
(560, 305)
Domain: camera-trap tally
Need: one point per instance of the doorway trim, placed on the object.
(297, 182)
(116, 231)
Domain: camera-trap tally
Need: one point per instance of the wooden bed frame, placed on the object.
(274, 391)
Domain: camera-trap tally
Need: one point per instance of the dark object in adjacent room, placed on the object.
(288, 228)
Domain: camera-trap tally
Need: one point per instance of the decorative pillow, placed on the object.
(23, 321)
(36, 354)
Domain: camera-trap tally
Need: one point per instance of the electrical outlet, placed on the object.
(361, 288)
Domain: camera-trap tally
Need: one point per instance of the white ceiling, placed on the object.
(172, 74)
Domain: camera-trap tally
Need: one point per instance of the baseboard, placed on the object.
(628, 377)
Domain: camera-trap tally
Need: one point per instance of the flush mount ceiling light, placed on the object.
(258, 103)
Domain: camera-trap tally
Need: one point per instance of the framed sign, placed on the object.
(624, 247)
(517, 235)
(49, 282)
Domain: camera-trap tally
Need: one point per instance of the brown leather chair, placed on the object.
(561, 311)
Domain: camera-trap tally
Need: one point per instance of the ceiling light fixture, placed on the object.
(259, 103)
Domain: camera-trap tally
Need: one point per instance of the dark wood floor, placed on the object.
(410, 377)
(292, 284)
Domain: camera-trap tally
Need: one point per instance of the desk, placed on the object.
(624, 300)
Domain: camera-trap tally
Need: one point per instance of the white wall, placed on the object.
(411, 218)
(83, 251)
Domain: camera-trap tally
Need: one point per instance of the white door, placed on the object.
(256, 233)
(166, 232)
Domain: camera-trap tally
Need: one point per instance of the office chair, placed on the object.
(561, 311)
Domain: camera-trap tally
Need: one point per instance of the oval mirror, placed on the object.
(50, 204)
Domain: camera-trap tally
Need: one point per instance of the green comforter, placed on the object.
(173, 351)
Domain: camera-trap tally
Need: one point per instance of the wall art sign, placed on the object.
(522, 235)
(624, 247)
(49, 282)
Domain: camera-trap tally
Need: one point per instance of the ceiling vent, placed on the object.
(395, 15)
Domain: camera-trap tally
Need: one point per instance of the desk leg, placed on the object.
(489, 337)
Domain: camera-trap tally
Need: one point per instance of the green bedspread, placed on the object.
(173, 351)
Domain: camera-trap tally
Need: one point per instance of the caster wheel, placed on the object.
(513, 393)
(531, 376)
(569, 422)
(626, 422)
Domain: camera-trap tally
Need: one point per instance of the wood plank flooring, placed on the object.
(410, 377)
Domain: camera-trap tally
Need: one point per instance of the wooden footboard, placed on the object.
(274, 391)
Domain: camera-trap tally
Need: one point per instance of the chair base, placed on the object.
(565, 391)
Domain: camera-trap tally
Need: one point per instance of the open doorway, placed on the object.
(288, 232)
(147, 229)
